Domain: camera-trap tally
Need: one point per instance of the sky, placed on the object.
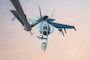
(17, 44)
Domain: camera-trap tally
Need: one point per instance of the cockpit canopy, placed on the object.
(45, 17)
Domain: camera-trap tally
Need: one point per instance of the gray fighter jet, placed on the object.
(44, 24)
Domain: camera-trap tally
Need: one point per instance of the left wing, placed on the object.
(58, 25)
(62, 26)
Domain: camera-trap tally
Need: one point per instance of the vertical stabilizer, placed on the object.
(40, 11)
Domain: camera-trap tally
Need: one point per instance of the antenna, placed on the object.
(40, 11)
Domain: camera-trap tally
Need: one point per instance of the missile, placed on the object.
(65, 30)
(60, 30)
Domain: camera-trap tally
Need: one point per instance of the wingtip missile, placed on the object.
(75, 29)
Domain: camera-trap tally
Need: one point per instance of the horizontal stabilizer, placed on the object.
(22, 17)
(17, 16)
(19, 9)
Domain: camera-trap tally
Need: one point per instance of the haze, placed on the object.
(17, 44)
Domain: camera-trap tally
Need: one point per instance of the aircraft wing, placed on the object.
(58, 25)
(62, 26)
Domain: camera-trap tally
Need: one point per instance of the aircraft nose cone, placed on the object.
(43, 46)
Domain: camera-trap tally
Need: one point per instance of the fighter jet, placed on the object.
(44, 24)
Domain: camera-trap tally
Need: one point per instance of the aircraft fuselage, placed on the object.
(44, 30)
